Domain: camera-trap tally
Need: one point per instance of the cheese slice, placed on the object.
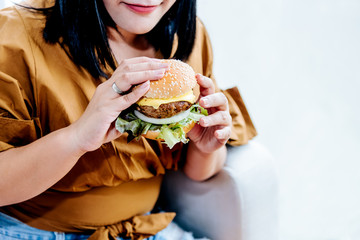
(156, 102)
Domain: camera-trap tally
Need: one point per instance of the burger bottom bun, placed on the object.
(154, 134)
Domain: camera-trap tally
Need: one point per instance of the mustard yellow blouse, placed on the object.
(109, 190)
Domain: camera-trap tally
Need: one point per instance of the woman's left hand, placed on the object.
(214, 130)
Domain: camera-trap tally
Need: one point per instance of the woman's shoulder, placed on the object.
(200, 26)
(15, 46)
(21, 22)
(201, 55)
(10, 19)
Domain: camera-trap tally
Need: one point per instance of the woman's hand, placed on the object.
(214, 130)
(96, 126)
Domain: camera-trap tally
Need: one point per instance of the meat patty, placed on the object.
(165, 110)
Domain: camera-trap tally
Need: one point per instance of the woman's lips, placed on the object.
(141, 8)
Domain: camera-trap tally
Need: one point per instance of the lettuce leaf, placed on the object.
(171, 133)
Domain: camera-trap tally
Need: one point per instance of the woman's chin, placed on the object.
(142, 28)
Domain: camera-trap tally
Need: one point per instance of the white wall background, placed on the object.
(297, 64)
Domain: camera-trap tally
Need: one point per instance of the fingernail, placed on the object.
(205, 102)
(144, 85)
(205, 122)
(165, 65)
(160, 73)
(217, 134)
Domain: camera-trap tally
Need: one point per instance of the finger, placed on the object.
(138, 60)
(126, 80)
(125, 101)
(122, 78)
(106, 89)
(219, 118)
(223, 134)
(143, 66)
(207, 86)
(113, 133)
(217, 100)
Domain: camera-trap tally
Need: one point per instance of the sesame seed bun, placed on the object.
(178, 80)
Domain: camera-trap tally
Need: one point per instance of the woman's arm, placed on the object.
(207, 152)
(28, 171)
(201, 166)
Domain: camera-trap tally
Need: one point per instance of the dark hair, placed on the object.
(80, 26)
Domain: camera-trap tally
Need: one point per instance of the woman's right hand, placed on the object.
(96, 126)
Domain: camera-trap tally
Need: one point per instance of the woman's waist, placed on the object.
(63, 211)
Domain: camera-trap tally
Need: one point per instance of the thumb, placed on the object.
(195, 133)
(112, 133)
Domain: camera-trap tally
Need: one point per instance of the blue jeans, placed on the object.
(13, 229)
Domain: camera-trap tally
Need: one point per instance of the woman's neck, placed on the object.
(127, 45)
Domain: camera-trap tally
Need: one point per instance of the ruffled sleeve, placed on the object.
(18, 126)
(201, 60)
(242, 127)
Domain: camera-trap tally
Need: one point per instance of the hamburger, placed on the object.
(168, 110)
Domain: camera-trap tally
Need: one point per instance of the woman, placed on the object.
(65, 171)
